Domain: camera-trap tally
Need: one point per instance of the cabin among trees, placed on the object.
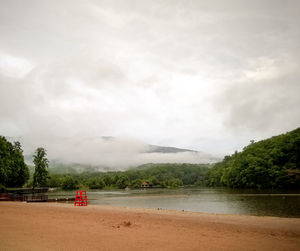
(145, 184)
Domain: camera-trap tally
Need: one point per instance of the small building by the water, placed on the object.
(145, 184)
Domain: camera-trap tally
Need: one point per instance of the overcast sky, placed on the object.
(206, 75)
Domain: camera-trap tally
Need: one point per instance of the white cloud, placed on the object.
(206, 75)
(265, 68)
(14, 67)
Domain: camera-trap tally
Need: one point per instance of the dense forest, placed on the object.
(270, 163)
(156, 175)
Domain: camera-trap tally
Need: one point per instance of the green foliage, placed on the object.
(69, 183)
(13, 170)
(270, 163)
(122, 182)
(213, 176)
(95, 183)
(161, 174)
(54, 180)
(136, 183)
(153, 181)
(173, 183)
(157, 175)
(41, 163)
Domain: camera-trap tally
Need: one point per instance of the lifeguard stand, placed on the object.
(81, 198)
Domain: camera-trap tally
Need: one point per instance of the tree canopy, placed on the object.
(156, 175)
(41, 163)
(13, 170)
(270, 163)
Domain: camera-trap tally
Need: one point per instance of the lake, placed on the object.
(208, 200)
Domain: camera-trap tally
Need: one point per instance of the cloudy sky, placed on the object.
(206, 75)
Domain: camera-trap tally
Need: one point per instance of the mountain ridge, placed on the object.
(112, 153)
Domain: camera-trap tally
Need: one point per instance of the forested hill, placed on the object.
(270, 163)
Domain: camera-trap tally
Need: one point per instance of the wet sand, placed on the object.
(58, 226)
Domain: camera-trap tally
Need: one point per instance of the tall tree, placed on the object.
(13, 170)
(41, 163)
(19, 172)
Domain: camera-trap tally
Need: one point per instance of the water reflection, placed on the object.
(224, 201)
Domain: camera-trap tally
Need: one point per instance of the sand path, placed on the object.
(57, 226)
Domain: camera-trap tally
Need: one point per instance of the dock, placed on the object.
(44, 198)
(31, 195)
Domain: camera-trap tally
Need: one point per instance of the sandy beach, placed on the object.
(59, 226)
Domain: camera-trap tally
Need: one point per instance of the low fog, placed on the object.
(114, 153)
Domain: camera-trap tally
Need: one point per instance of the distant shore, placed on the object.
(61, 226)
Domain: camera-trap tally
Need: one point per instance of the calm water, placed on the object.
(224, 201)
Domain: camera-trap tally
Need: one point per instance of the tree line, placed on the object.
(15, 173)
(155, 175)
(270, 163)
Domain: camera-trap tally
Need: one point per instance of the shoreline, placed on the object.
(49, 226)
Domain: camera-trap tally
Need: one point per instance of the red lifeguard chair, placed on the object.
(81, 198)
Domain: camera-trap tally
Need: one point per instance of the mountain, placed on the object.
(166, 149)
(107, 153)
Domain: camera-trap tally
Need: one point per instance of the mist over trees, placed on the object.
(270, 163)
(13, 170)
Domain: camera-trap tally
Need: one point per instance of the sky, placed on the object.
(206, 75)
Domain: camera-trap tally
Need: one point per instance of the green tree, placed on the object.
(153, 181)
(54, 181)
(13, 170)
(136, 183)
(173, 182)
(69, 183)
(122, 182)
(95, 183)
(41, 163)
(19, 171)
